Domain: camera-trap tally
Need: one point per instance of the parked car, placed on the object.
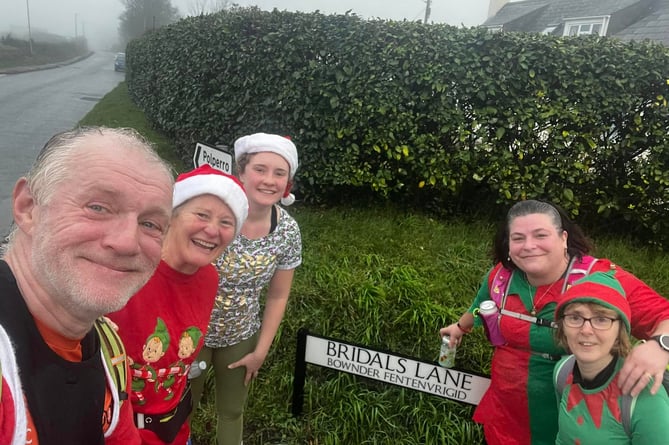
(119, 62)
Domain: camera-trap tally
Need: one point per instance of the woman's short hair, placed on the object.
(622, 345)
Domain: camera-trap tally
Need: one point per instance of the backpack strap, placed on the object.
(577, 269)
(627, 403)
(565, 368)
(114, 360)
(500, 279)
(498, 285)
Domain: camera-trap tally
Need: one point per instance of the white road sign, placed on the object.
(217, 157)
(397, 370)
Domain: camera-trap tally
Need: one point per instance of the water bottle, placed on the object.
(196, 369)
(489, 311)
(447, 352)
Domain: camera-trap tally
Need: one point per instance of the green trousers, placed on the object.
(230, 391)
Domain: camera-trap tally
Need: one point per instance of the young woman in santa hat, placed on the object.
(163, 325)
(594, 325)
(263, 257)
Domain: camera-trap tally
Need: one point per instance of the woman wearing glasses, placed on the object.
(594, 325)
(538, 252)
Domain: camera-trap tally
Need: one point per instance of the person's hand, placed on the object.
(252, 362)
(454, 332)
(646, 362)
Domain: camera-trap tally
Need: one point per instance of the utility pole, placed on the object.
(427, 11)
(30, 36)
(76, 30)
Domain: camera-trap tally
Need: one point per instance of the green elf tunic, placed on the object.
(519, 406)
(593, 416)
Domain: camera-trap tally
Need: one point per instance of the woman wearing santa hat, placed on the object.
(263, 257)
(163, 325)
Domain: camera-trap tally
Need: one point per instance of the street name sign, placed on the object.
(217, 157)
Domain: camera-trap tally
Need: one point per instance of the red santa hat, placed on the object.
(281, 145)
(207, 180)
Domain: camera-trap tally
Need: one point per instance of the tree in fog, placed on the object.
(141, 16)
(199, 7)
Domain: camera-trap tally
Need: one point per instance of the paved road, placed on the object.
(35, 105)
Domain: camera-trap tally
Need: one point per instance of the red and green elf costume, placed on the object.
(519, 407)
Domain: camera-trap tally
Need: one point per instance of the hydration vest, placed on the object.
(498, 286)
(53, 386)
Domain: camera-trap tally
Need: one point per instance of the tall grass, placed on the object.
(388, 279)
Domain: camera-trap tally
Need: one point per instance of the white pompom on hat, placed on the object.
(207, 180)
(281, 145)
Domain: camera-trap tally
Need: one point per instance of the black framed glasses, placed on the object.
(598, 322)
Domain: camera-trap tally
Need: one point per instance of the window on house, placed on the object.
(497, 28)
(586, 26)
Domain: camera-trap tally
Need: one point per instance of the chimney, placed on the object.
(495, 6)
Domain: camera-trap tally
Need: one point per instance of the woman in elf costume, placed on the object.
(594, 325)
(537, 253)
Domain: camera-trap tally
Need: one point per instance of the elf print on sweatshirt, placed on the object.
(155, 347)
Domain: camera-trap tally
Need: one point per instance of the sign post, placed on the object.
(217, 157)
(384, 366)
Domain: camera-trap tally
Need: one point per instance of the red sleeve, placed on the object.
(648, 307)
(126, 433)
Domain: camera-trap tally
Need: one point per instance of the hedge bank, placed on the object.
(450, 119)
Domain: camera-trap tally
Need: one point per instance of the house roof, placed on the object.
(556, 11)
(655, 26)
(512, 11)
(638, 19)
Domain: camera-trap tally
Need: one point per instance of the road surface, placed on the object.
(37, 104)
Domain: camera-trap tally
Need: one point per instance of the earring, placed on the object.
(508, 258)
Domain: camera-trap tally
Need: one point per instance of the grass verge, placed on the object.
(117, 110)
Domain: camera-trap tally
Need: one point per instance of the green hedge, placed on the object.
(447, 118)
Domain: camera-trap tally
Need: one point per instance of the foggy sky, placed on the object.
(98, 19)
